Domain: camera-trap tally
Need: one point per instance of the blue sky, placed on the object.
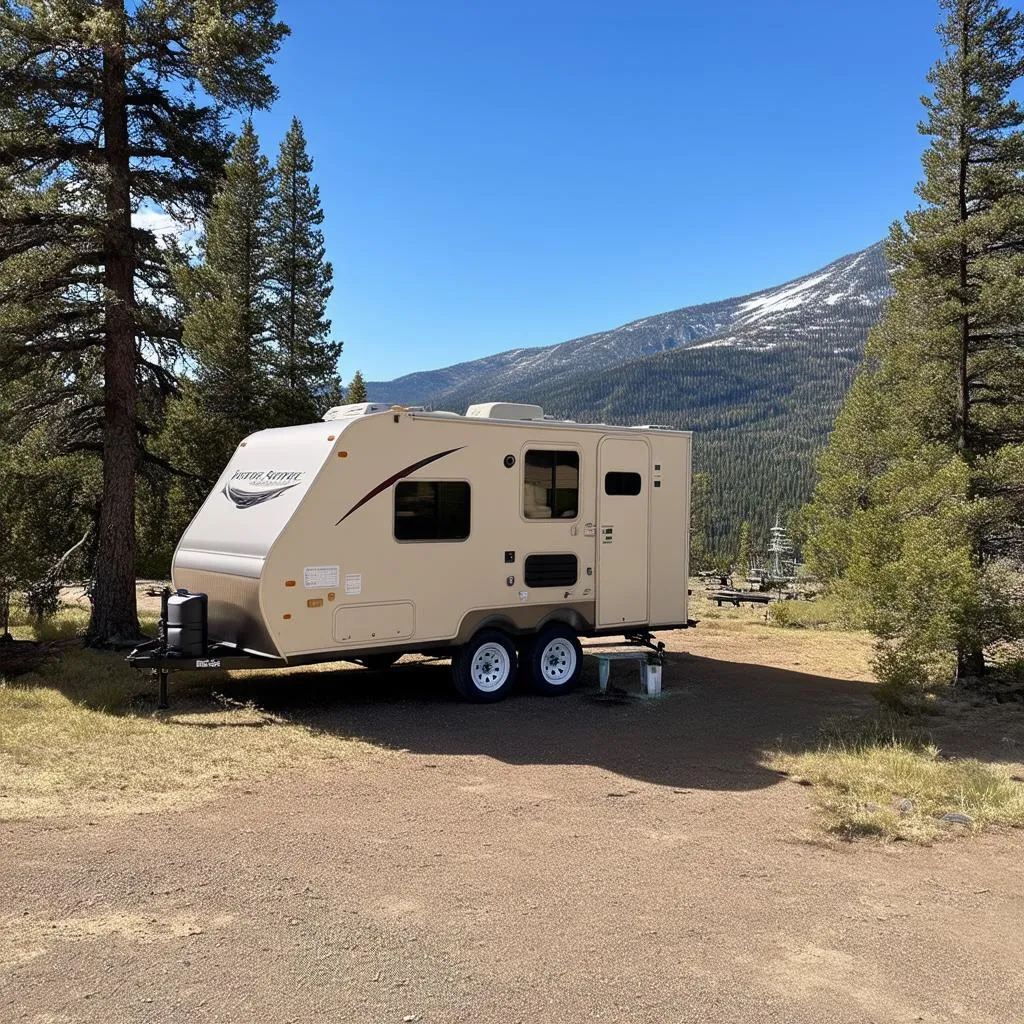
(498, 174)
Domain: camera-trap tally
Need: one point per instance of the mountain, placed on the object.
(759, 378)
(840, 293)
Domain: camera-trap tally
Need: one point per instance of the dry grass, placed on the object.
(81, 734)
(886, 778)
(745, 635)
(824, 612)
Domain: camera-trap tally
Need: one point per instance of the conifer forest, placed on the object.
(164, 282)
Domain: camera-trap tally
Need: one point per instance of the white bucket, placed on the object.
(652, 680)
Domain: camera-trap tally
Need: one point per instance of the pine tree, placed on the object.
(356, 391)
(227, 331)
(919, 504)
(743, 551)
(106, 107)
(300, 282)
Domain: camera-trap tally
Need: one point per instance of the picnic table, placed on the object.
(736, 597)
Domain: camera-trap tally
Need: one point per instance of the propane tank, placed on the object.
(186, 624)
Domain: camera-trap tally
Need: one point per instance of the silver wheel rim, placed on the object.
(558, 662)
(490, 668)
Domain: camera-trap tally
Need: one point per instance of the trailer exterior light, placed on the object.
(289, 583)
(342, 455)
(287, 615)
(315, 602)
(330, 437)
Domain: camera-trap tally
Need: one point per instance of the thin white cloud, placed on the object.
(163, 224)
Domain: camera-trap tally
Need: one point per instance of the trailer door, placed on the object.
(623, 485)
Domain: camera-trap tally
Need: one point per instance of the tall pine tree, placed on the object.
(919, 503)
(228, 391)
(300, 285)
(106, 107)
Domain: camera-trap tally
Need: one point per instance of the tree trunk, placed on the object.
(970, 662)
(970, 656)
(293, 271)
(964, 326)
(115, 614)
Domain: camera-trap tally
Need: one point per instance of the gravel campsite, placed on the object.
(404, 856)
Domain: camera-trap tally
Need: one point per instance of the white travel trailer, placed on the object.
(499, 537)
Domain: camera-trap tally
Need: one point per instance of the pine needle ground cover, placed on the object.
(78, 734)
(888, 778)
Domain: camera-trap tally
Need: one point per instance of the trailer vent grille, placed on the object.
(551, 571)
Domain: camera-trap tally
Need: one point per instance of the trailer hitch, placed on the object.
(645, 639)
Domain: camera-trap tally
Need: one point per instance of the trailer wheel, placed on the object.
(378, 662)
(485, 668)
(555, 659)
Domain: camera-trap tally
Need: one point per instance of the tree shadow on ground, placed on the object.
(708, 730)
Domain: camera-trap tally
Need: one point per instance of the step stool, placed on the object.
(650, 669)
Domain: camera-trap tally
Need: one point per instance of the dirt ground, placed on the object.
(540, 860)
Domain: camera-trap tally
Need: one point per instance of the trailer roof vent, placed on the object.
(344, 412)
(505, 411)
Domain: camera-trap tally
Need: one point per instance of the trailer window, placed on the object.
(551, 485)
(431, 510)
(622, 483)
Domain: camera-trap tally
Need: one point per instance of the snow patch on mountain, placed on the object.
(781, 299)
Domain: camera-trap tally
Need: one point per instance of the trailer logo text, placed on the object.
(248, 487)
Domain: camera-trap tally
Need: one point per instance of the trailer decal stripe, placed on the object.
(400, 475)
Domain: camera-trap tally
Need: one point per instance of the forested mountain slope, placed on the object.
(759, 378)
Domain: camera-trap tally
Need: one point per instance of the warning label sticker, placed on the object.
(314, 576)
(353, 583)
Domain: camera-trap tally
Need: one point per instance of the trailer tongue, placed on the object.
(182, 643)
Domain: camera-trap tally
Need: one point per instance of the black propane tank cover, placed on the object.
(186, 624)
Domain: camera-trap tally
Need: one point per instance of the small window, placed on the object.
(551, 485)
(551, 571)
(622, 483)
(432, 510)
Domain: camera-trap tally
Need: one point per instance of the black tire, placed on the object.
(554, 659)
(378, 662)
(484, 669)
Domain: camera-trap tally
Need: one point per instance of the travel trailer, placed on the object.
(499, 538)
